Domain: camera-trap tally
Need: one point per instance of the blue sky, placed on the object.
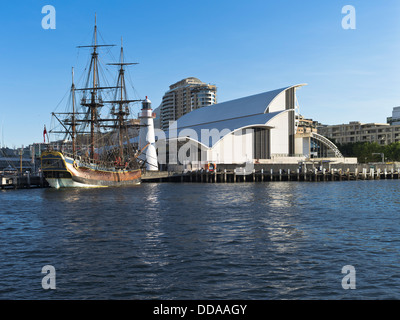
(243, 47)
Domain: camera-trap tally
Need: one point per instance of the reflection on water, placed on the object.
(279, 240)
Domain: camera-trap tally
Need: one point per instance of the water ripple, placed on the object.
(279, 240)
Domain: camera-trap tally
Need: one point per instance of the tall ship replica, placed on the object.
(97, 149)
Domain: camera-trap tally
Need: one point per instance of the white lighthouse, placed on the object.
(146, 135)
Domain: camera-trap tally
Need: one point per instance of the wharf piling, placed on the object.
(235, 175)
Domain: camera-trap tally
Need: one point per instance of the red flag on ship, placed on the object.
(44, 134)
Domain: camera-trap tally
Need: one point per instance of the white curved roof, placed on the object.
(231, 115)
(238, 108)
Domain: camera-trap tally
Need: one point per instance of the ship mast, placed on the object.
(93, 105)
(122, 113)
(95, 101)
(70, 120)
(73, 115)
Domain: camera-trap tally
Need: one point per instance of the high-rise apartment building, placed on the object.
(184, 96)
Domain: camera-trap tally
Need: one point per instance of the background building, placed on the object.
(304, 125)
(184, 96)
(355, 131)
(395, 118)
(12, 160)
(157, 119)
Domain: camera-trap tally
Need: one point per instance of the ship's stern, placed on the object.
(55, 169)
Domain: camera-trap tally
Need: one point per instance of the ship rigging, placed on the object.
(98, 148)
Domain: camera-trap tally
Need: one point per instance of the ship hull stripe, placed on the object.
(85, 176)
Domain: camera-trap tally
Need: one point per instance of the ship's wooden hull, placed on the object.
(61, 171)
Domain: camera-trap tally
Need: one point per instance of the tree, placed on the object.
(362, 150)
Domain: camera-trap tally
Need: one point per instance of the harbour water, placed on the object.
(271, 240)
